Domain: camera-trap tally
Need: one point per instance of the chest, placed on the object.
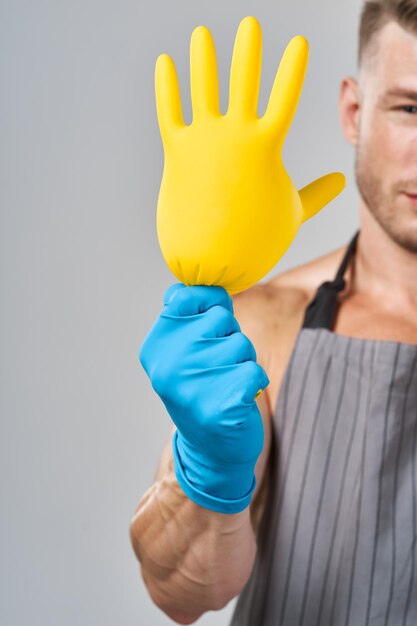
(366, 319)
(356, 317)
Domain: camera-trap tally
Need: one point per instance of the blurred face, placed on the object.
(379, 116)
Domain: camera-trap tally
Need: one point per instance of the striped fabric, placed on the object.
(338, 541)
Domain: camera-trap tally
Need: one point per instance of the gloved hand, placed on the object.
(204, 369)
(227, 209)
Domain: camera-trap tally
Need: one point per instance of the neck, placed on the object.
(384, 271)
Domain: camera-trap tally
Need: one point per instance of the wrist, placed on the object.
(228, 491)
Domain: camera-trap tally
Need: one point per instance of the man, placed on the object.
(330, 536)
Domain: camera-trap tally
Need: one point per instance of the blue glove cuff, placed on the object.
(203, 499)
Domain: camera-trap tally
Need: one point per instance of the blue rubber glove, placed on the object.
(204, 369)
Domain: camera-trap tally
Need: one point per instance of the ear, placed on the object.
(350, 108)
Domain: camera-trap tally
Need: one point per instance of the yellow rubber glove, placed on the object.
(227, 209)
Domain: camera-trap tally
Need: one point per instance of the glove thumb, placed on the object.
(320, 192)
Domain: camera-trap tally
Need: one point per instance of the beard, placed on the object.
(381, 203)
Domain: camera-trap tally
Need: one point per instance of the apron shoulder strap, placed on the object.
(321, 311)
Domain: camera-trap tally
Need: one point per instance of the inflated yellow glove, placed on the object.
(227, 209)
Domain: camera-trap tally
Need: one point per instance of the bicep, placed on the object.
(257, 505)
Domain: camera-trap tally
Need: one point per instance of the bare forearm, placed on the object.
(192, 559)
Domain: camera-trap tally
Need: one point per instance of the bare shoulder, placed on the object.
(288, 291)
(308, 276)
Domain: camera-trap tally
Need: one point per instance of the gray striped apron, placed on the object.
(337, 544)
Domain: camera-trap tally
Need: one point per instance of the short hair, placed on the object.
(376, 13)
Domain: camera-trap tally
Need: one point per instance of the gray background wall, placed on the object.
(82, 276)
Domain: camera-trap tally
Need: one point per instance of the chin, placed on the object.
(399, 222)
(404, 234)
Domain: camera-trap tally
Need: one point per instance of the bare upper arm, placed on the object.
(261, 468)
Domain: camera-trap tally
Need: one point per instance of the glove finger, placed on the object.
(228, 350)
(218, 322)
(287, 87)
(172, 289)
(168, 99)
(203, 74)
(250, 378)
(240, 347)
(196, 299)
(245, 71)
(320, 192)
